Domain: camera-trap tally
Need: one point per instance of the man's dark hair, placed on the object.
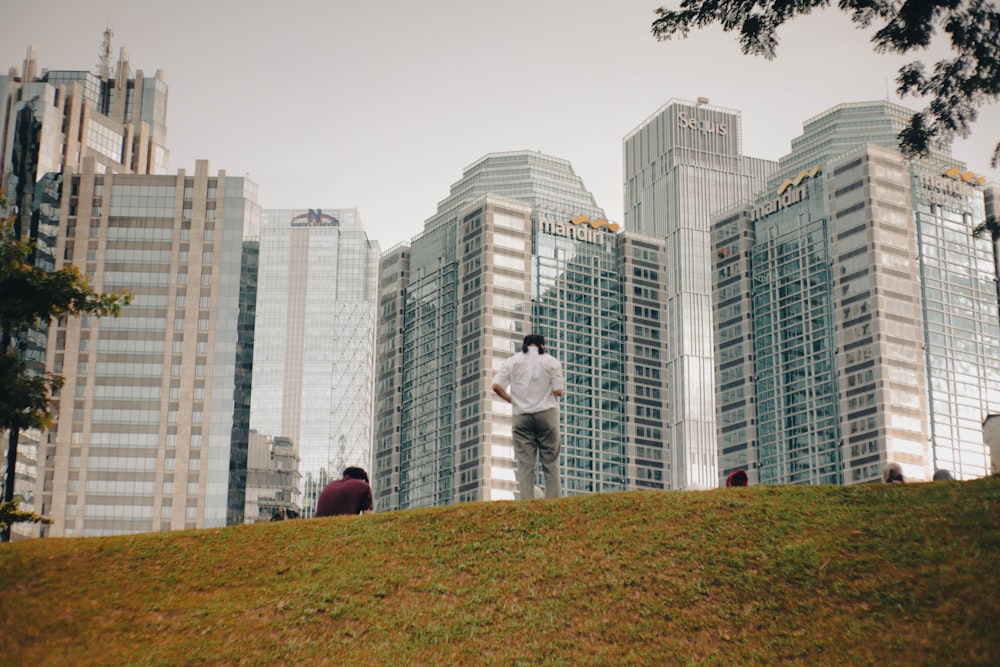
(356, 473)
(537, 340)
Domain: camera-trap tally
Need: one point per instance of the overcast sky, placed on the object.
(380, 105)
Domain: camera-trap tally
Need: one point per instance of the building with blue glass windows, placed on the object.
(856, 314)
(519, 246)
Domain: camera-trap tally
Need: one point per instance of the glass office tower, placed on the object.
(142, 438)
(856, 313)
(488, 269)
(683, 164)
(314, 341)
(577, 303)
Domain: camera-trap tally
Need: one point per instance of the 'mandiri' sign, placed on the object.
(791, 191)
(580, 228)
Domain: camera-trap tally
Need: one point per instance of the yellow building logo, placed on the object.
(966, 176)
(580, 228)
(794, 182)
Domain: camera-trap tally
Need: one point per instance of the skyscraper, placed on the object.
(142, 439)
(683, 164)
(53, 119)
(856, 314)
(518, 246)
(314, 341)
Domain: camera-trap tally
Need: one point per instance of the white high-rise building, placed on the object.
(856, 312)
(683, 164)
(314, 341)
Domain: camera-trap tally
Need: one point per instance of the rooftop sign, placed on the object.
(580, 228)
(966, 176)
(785, 196)
(314, 217)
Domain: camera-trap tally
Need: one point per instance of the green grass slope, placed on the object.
(880, 574)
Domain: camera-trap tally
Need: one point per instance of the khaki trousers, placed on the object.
(536, 435)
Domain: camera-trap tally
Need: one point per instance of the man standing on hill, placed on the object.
(536, 382)
(351, 494)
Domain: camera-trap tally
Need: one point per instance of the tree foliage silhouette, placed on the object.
(956, 87)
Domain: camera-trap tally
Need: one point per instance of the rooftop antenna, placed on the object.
(104, 59)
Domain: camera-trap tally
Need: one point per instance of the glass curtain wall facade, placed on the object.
(314, 341)
(797, 393)
(458, 302)
(427, 439)
(872, 315)
(394, 275)
(145, 418)
(577, 306)
(682, 165)
(243, 382)
(962, 331)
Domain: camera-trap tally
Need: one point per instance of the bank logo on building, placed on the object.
(790, 191)
(315, 216)
(580, 228)
(967, 176)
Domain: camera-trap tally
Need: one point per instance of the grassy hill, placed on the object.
(880, 574)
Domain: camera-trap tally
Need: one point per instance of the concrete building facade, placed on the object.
(142, 441)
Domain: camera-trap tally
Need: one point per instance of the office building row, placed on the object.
(856, 313)
(519, 246)
(808, 319)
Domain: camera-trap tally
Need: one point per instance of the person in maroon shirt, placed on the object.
(351, 494)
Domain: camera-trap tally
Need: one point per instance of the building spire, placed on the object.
(30, 64)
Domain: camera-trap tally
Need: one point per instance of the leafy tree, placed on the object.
(29, 297)
(990, 227)
(11, 513)
(957, 87)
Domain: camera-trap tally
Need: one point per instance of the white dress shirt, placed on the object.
(532, 378)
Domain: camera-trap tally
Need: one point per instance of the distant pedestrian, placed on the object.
(536, 382)
(284, 514)
(892, 473)
(942, 475)
(351, 494)
(738, 478)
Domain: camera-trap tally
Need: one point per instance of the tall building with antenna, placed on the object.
(52, 122)
(53, 119)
